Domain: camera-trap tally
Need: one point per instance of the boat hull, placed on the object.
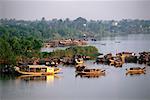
(136, 71)
(56, 71)
(91, 72)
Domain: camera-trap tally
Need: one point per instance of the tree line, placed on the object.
(59, 28)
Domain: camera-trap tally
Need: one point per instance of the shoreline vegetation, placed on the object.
(66, 56)
(21, 41)
(90, 52)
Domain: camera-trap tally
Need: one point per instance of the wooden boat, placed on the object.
(89, 75)
(91, 72)
(37, 70)
(118, 64)
(136, 70)
(116, 61)
(100, 59)
(80, 68)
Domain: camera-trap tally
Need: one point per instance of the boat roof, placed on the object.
(37, 66)
(100, 56)
(135, 68)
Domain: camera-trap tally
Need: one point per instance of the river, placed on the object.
(115, 85)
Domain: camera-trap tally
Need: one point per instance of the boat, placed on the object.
(91, 72)
(37, 70)
(79, 61)
(116, 61)
(118, 64)
(136, 70)
(100, 59)
(89, 75)
(80, 67)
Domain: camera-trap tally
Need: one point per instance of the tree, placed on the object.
(6, 54)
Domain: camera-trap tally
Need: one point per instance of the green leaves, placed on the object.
(12, 48)
(6, 54)
(72, 51)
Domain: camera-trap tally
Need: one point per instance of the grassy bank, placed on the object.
(90, 51)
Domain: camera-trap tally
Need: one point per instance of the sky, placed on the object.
(89, 9)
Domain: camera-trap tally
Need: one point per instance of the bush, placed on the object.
(72, 51)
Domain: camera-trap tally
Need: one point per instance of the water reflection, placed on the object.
(31, 78)
(7, 77)
(115, 85)
(89, 76)
(137, 74)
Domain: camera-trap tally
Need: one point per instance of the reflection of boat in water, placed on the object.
(136, 70)
(47, 78)
(37, 70)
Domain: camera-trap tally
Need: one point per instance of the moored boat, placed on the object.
(79, 61)
(91, 72)
(136, 70)
(37, 70)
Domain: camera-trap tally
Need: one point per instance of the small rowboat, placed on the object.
(91, 72)
(136, 70)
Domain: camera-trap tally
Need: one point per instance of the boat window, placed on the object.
(87, 70)
(43, 70)
(32, 69)
(38, 69)
(97, 69)
(131, 68)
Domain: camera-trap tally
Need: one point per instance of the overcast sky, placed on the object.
(96, 10)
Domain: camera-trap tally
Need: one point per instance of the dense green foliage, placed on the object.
(13, 48)
(21, 39)
(72, 51)
(58, 28)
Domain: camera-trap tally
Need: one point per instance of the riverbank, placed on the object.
(58, 57)
(54, 58)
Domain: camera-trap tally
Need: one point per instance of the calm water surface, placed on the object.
(115, 85)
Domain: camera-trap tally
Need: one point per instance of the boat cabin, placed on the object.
(37, 68)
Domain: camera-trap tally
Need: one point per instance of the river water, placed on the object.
(115, 85)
